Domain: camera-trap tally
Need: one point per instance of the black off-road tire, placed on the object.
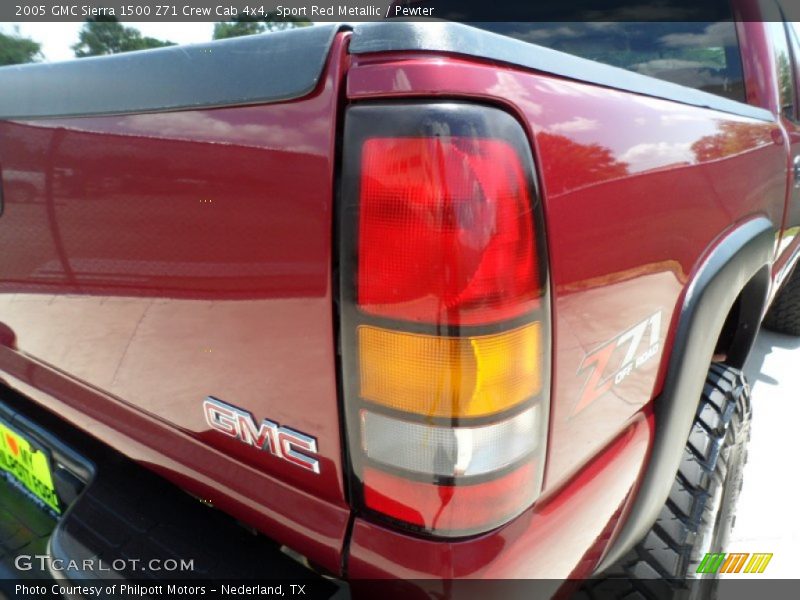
(700, 511)
(784, 314)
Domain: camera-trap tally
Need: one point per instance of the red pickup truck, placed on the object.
(396, 300)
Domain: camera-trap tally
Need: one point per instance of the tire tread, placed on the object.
(659, 565)
(784, 314)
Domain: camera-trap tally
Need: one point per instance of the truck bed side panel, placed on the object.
(153, 259)
(636, 190)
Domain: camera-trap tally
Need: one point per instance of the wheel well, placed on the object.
(726, 294)
(743, 321)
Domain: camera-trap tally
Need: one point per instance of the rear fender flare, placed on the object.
(738, 265)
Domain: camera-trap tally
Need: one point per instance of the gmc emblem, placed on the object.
(281, 442)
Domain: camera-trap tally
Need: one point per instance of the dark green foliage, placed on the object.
(15, 49)
(248, 25)
(106, 35)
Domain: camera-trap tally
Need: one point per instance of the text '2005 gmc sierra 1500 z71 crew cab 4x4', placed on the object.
(398, 300)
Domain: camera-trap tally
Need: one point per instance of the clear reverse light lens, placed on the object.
(449, 451)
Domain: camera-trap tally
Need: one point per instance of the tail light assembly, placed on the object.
(445, 338)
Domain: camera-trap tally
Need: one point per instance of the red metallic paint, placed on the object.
(154, 259)
(130, 288)
(635, 191)
(762, 90)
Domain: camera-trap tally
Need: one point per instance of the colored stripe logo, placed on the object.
(734, 562)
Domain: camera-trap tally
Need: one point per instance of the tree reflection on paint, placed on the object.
(571, 165)
(732, 137)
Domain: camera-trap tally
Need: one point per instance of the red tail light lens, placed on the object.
(446, 231)
(449, 507)
(445, 337)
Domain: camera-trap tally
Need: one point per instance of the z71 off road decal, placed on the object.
(642, 342)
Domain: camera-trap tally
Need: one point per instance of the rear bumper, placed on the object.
(313, 526)
(563, 536)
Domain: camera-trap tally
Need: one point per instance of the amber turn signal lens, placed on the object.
(452, 377)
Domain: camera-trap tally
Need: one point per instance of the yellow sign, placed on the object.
(28, 466)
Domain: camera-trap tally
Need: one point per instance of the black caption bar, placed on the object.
(196, 10)
(366, 10)
(471, 589)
